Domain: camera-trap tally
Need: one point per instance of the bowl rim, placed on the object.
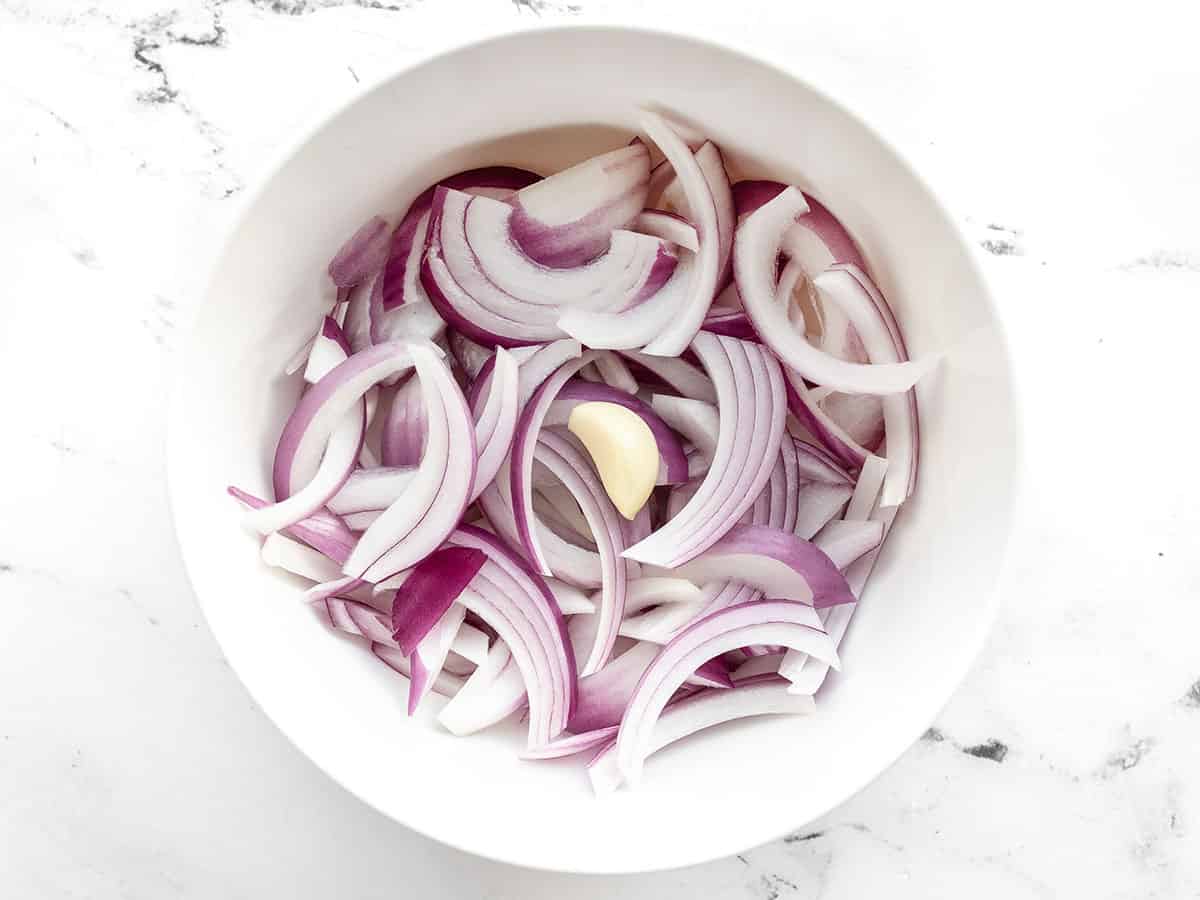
(226, 229)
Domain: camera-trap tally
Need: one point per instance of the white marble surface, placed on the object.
(133, 765)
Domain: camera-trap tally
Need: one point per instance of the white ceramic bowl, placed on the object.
(543, 100)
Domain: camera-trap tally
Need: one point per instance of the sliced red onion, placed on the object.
(431, 588)
(423, 516)
(702, 205)
(297, 558)
(356, 320)
(401, 281)
(298, 359)
(322, 530)
(659, 625)
(571, 467)
(733, 323)
(470, 356)
(670, 226)
(604, 695)
(669, 449)
(524, 615)
(859, 415)
(323, 407)
(362, 255)
(809, 413)
(851, 290)
(870, 482)
(402, 441)
(444, 683)
(817, 505)
(416, 321)
(773, 561)
(752, 408)
(759, 695)
(776, 622)
(615, 373)
(361, 521)
(429, 656)
(678, 374)
(567, 219)
(471, 644)
(572, 744)
(757, 245)
(696, 420)
(844, 542)
(570, 599)
(329, 348)
(521, 466)
(555, 506)
(711, 164)
(658, 590)
(497, 421)
(492, 693)
(372, 489)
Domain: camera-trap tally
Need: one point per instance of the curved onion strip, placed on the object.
(678, 374)
(496, 424)
(712, 166)
(537, 606)
(431, 589)
(402, 440)
(493, 692)
(776, 622)
(322, 530)
(306, 433)
(566, 219)
(756, 695)
(819, 504)
(845, 542)
(756, 246)
(362, 255)
(570, 599)
(633, 266)
(604, 695)
(809, 413)
(521, 458)
(773, 561)
(470, 356)
(670, 451)
(853, 292)
(401, 281)
(443, 683)
(670, 226)
(420, 520)
(615, 373)
(372, 489)
(329, 348)
(573, 470)
(297, 558)
(703, 283)
(751, 403)
(574, 743)
(696, 420)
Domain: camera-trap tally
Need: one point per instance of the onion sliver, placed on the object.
(322, 530)
(757, 244)
(701, 203)
(566, 219)
(430, 590)
(362, 255)
(752, 408)
(443, 683)
(372, 489)
(571, 467)
(858, 297)
(756, 695)
(773, 561)
(775, 622)
(320, 410)
(329, 348)
(421, 518)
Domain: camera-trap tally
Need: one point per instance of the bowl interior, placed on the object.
(543, 100)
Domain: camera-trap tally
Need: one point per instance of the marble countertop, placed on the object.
(133, 764)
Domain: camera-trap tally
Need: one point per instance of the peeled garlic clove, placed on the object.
(623, 449)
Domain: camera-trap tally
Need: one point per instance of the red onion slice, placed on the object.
(427, 512)
(776, 622)
(362, 255)
(402, 441)
(430, 589)
(673, 228)
(573, 743)
(702, 205)
(322, 530)
(752, 406)
(329, 348)
(497, 422)
(851, 290)
(773, 561)
(567, 219)
(429, 656)
(493, 692)
(372, 489)
(443, 683)
(307, 431)
(759, 695)
(571, 467)
(757, 245)
(299, 559)
(678, 374)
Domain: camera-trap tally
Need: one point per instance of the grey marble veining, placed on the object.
(132, 764)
